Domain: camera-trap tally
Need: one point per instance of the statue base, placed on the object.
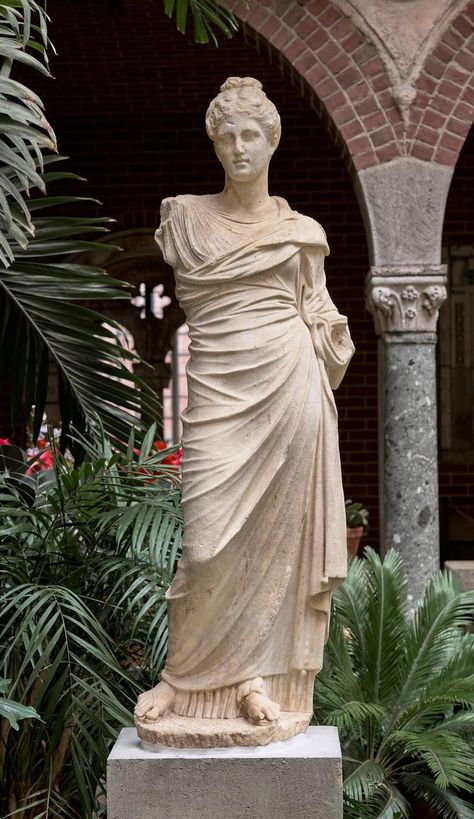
(175, 731)
(298, 778)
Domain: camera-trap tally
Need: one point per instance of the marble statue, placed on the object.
(264, 520)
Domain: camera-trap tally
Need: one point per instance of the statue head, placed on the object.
(241, 100)
(243, 95)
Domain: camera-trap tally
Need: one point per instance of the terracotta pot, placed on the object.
(353, 540)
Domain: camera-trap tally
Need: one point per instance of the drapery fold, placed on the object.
(264, 521)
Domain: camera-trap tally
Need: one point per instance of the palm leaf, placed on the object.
(25, 132)
(385, 626)
(400, 717)
(438, 620)
(449, 758)
(446, 803)
(208, 16)
(38, 289)
(41, 318)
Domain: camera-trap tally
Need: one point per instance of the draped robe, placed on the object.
(264, 521)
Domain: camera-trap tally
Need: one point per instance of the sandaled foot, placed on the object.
(154, 703)
(257, 707)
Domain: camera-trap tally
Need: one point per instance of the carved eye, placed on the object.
(249, 135)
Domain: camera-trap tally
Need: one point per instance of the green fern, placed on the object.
(83, 573)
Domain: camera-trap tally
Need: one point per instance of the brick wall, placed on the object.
(349, 78)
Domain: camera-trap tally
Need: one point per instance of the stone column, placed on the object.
(405, 306)
(403, 204)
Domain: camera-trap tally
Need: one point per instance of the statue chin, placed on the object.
(265, 530)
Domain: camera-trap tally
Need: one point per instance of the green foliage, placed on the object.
(24, 131)
(13, 711)
(207, 16)
(401, 692)
(83, 575)
(356, 515)
(40, 318)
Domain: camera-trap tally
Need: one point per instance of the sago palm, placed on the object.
(401, 691)
(84, 567)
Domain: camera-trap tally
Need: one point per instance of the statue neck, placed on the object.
(247, 198)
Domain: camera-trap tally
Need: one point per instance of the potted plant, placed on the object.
(357, 525)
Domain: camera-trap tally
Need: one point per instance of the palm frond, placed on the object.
(446, 803)
(207, 16)
(366, 789)
(40, 319)
(385, 626)
(449, 758)
(352, 602)
(24, 131)
(439, 619)
(355, 715)
(399, 690)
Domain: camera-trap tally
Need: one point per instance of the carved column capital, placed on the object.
(405, 299)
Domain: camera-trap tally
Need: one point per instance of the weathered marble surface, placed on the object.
(403, 204)
(299, 778)
(264, 520)
(406, 299)
(194, 732)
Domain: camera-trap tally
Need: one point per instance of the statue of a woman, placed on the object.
(264, 520)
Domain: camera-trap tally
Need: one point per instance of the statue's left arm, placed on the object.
(329, 331)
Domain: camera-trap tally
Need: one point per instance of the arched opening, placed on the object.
(456, 366)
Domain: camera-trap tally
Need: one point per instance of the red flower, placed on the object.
(174, 458)
(5, 442)
(45, 461)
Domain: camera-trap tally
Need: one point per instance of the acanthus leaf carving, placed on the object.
(401, 303)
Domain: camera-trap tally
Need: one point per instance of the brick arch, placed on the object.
(341, 68)
(352, 89)
(443, 111)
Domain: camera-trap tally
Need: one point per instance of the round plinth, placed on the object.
(176, 731)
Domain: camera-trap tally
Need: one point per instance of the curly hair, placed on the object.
(243, 95)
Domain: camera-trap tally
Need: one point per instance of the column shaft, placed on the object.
(405, 301)
(408, 449)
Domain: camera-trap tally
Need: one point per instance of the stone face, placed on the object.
(299, 778)
(403, 204)
(409, 453)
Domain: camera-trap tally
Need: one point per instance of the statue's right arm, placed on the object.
(164, 235)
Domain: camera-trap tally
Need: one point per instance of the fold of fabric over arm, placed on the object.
(329, 331)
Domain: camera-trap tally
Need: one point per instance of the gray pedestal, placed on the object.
(300, 778)
(465, 571)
